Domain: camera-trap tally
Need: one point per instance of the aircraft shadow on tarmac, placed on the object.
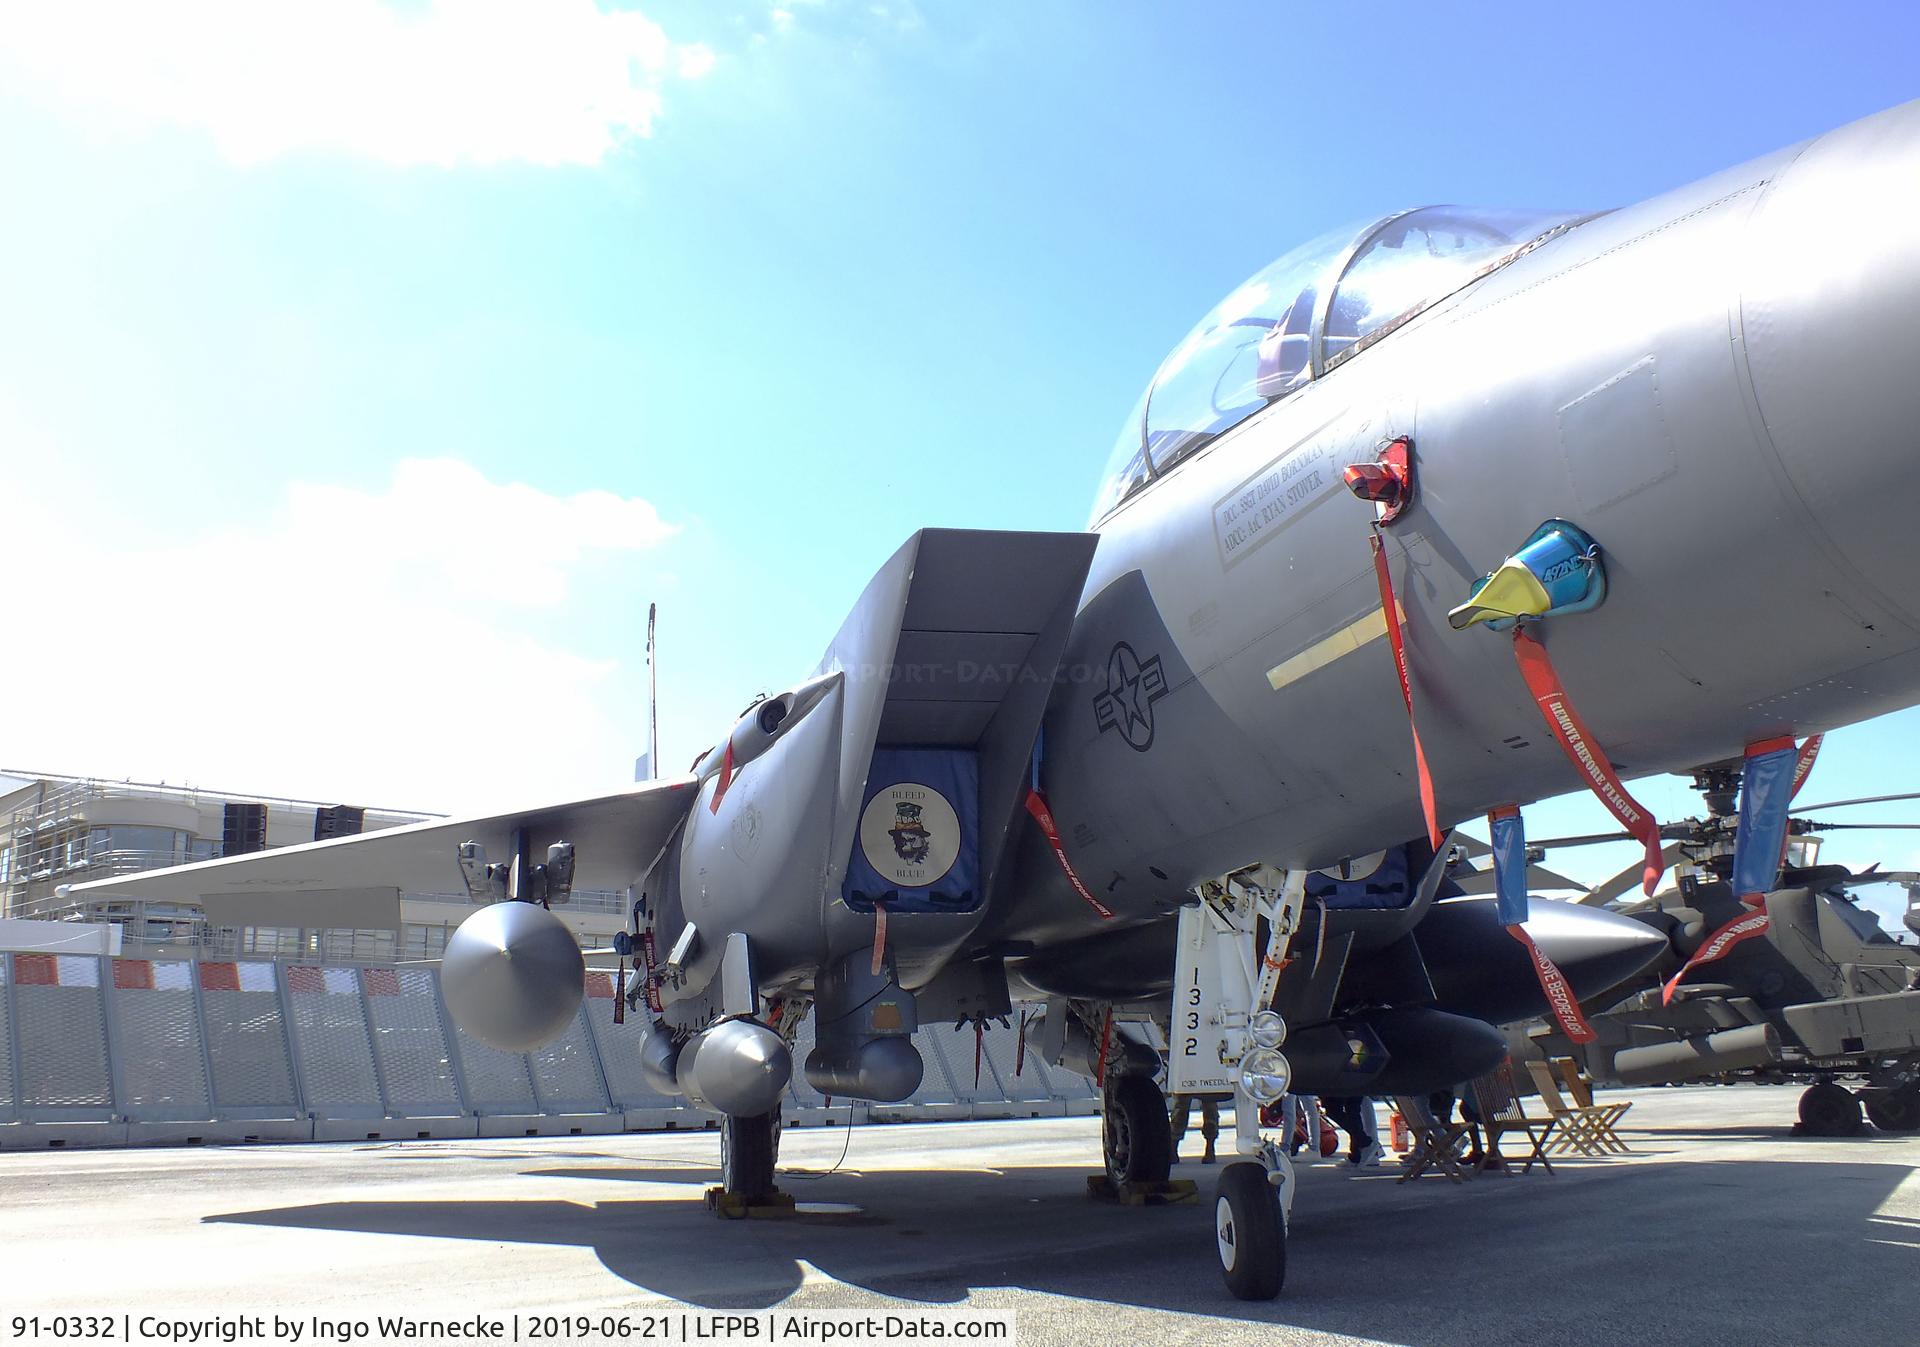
(1368, 1257)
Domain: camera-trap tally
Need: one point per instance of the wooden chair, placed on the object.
(1435, 1144)
(1502, 1111)
(1576, 1127)
(1601, 1117)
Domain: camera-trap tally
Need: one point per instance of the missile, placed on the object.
(513, 976)
(1749, 1046)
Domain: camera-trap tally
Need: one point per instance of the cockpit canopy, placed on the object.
(1299, 317)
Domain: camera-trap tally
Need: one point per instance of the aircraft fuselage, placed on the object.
(1716, 384)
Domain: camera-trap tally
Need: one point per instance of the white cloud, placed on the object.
(420, 645)
(444, 527)
(452, 81)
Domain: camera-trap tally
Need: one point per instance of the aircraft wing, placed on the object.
(357, 881)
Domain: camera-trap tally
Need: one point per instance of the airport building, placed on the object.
(61, 830)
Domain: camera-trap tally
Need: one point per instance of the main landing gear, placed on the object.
(749, 1148)
(1829, 1109)
(1895, 1110)
(1135, 1133)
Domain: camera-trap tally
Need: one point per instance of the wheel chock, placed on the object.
(732, 1207)
(1101, 1188)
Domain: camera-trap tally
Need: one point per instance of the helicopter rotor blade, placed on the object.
(1813, 827)
(1611, 888)
(1864, 799)
(1584, 840)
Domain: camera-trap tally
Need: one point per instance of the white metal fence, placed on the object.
(115, 1051)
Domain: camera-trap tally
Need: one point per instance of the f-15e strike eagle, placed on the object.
(1394, 509)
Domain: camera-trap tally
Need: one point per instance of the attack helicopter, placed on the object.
(1819, 993)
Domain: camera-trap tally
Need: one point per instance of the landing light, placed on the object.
(1265, 1075)
(1267, 1029)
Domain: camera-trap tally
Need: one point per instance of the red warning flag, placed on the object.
(726, 779)
(1037, 807)
(1397, 640)
(1578, 743)
(1508, 835)
(1719, 943)
(1803, 764)
(1561, 1001)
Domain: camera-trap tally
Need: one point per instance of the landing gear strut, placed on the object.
(1225, 1036)
(1829, 1110)
(1136, 1135)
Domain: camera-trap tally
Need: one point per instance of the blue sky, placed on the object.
(371, 368)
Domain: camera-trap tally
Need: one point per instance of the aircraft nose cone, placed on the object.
(1829, 299)
(513, 976)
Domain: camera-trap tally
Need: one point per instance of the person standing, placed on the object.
(1355, 1116)
(1303, 1111)
(1209, 1122)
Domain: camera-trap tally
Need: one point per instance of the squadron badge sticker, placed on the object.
(910, 835)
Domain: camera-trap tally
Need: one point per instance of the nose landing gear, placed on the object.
(1250, 1232)
(1225, 1037)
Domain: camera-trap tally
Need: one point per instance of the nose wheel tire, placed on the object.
(1896, 1110)
(1135, 1135)
(1829, 1110)
(1249, 1234)
(748, 1148)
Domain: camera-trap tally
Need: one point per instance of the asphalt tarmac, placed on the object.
(1721, 1228)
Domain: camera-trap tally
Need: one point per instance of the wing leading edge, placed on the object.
(356, 881)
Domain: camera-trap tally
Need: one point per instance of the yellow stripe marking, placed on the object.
(1322, 653)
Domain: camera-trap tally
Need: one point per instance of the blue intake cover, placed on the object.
(917, 848)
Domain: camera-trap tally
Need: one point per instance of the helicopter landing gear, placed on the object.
(1896, 1110)
(1829, 1110)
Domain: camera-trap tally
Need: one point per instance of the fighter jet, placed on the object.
(1392, 511)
